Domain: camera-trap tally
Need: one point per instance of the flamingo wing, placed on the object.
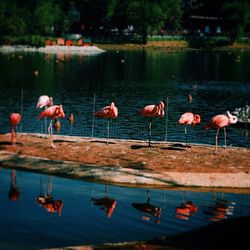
(107, 112)
(218, 121)
(52, 112)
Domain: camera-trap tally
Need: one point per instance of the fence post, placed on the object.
(21, 111)
(93, 119)
(166, 131)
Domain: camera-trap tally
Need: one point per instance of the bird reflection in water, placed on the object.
(106, 203)
(151, 212)
(14, 193)
(220, 209)
(185, 210)
(45, 198)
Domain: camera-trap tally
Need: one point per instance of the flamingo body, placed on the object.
(53, 112)
(44, 101)
(221, 121)
(15, 119)
(154, 110)
(110, 112)
(189, 119)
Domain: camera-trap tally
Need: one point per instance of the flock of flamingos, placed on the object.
(54, 112)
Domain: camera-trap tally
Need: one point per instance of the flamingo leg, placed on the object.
(108, 131)
(50, 131)
(45, 124)
(149, 132)
(216, 139)
(225, 137)
(186, 135)
(13, 137)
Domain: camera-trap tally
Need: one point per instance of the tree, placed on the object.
(149, 16)
(11, 19)
(238, 13)
(47, 16)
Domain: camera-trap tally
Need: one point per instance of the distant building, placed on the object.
(199, 19)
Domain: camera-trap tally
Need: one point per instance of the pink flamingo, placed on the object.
(154, 110)
(221, 121)
(189, 118)
(15, 119)
(44, 101)
(53, 112)
(108, 112)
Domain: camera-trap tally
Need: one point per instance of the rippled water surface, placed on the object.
(217, 81)
(77, 212)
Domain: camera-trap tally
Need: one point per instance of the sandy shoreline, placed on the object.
(130, 163)
(53, 49)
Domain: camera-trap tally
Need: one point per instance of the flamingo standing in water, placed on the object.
(53, 112)
(15, 119)
(154, 110)
(108, 112)
(189, 118)
(221, 121)
(44, 102)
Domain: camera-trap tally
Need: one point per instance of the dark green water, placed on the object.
(217, 81)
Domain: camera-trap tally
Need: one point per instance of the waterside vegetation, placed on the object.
(119, 22)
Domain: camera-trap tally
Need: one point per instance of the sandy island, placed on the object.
(130, 163)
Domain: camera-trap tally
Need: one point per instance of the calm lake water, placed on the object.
(86, 213)
(217, 81)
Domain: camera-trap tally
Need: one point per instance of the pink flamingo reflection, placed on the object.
(14, 193)
(185, 210)
(220, 210)
(149, 210)
(46, 200)
(106, 203)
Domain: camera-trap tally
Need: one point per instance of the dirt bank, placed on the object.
(129, 162)
(167, 46)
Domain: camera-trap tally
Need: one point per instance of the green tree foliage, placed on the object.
(146, 16)
(238, 13)
(47, 16)
(11, 19)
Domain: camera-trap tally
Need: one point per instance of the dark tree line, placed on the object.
(144, 17)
